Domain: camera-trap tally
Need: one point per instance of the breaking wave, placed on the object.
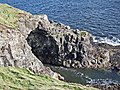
(111, 41)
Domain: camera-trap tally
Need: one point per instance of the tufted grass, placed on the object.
(22, 79)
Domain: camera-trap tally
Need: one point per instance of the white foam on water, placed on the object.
(113, 41)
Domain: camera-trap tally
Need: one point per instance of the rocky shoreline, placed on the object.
(58, 44)
(52, 43)
(104, 84)
(107, 87)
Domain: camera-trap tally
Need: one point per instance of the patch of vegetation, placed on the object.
(9, 15)
(83, 33)
(22, 79)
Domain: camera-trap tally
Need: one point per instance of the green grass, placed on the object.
(9, 15)
(22, 79)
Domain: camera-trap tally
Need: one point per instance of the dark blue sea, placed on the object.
(99, 17)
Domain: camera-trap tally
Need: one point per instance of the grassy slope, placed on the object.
(21, 79)
(9, 15)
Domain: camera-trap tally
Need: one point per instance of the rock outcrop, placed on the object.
(114, 53)
(15, 52)
(108, 87)
(57, 44)
(14, 49)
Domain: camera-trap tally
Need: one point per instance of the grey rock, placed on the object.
(14, 48)
(55, 44)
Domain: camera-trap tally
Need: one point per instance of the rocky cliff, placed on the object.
(29, 40)
(51, 42)
(15, 26)
(58, 44)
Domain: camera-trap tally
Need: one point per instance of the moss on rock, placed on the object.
(83, 33)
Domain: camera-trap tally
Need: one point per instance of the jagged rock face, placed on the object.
(114, 55)
(14, 49)
(115, 59)
(57, 44)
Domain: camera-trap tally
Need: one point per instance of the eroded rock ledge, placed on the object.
(58, 44)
